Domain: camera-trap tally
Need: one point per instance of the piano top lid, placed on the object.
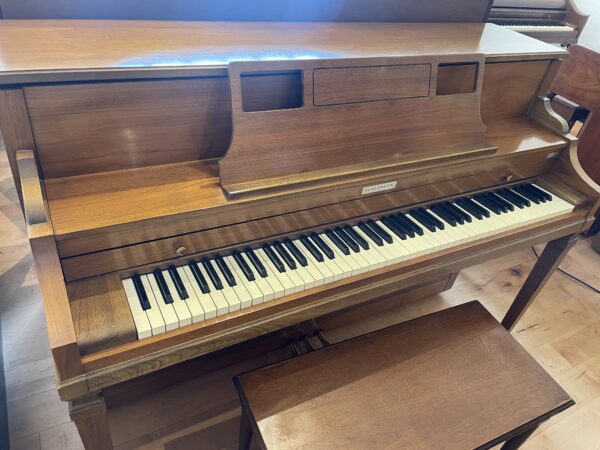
(63, 50)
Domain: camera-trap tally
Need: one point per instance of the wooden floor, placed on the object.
(561, 330)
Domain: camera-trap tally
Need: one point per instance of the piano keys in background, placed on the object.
(554, 21)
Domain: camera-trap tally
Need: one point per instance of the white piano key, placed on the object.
(154, 316)
(215, 294)
(254, 294)
(179, 305)
(204, 301)
(243, 296)
(166, 310)
(281, 277)
(346, 263)
(311, 267)
(140, 319)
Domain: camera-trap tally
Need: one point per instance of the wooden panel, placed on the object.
(15, 128)
(259, 10)
(372, 133)
(163, 252)
(115, 221)
(578, 80)
(100, 313)
(267, 91)
(34, 51)
(84, 128)
(405, 377)
(508, 88)
(366, 84)
(61, 332)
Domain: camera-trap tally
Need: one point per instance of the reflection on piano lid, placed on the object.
(553, 21)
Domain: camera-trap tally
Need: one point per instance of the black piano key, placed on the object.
(452, 211)
(516, 197)
(438, 223)
(287, 258)
(322, 245)
(243, 265)
(488, 204)
(141, 292)
(529, 195)
(314, 251)
(476, 206)
(388, 222)
(406, 229)
(256, 262)
(338, 242)
(501, 201)
(357, 237)
(274, 258)
(199, 277)
(380, 231)
(296, 253)
(225, 270)
(412, 223)
(409, 222)
(449, 218)
(212, 274)
(178, 282)
(423, 221)
(466, 217)
(162, 286)
(370, 233)
(506, 195)
(470, 208)
(347, 239)
(538, 191)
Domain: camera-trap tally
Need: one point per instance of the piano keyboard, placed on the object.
(164, 300)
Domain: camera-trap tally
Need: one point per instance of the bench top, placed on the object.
(452, 379)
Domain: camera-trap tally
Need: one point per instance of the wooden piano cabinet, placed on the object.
(578, 80)
(119, 135)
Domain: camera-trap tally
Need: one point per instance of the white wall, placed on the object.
(590, 36)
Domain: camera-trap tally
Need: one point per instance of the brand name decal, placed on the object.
(379, 187)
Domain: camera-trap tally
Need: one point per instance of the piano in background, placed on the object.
(195, 192)
(553, 21)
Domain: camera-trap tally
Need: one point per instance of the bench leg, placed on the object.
(245, 432)
(516, 442)
(549, 260)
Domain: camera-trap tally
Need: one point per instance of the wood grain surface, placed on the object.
(408, 389)
(260, 10)
(36, 51)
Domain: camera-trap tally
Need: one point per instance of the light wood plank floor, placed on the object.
(561, 330)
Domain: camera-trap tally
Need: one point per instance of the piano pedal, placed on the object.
(318, 333)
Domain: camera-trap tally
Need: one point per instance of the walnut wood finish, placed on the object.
(61, 332)
(550, 259)
(130, 173)
(261, 10)
(578, 80)
(50, 51)
(89, 415)
(405, 378)
(127, 361)
(365, 111)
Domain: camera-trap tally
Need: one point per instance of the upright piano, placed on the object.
(195, 190)
(555, 21)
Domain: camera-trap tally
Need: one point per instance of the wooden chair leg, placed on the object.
(516, 442)
(245, 432)
(549, 260)
(89, 416)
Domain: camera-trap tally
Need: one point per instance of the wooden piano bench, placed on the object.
(455, 379)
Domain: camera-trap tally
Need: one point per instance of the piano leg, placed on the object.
(549, 260)
(89, 415)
